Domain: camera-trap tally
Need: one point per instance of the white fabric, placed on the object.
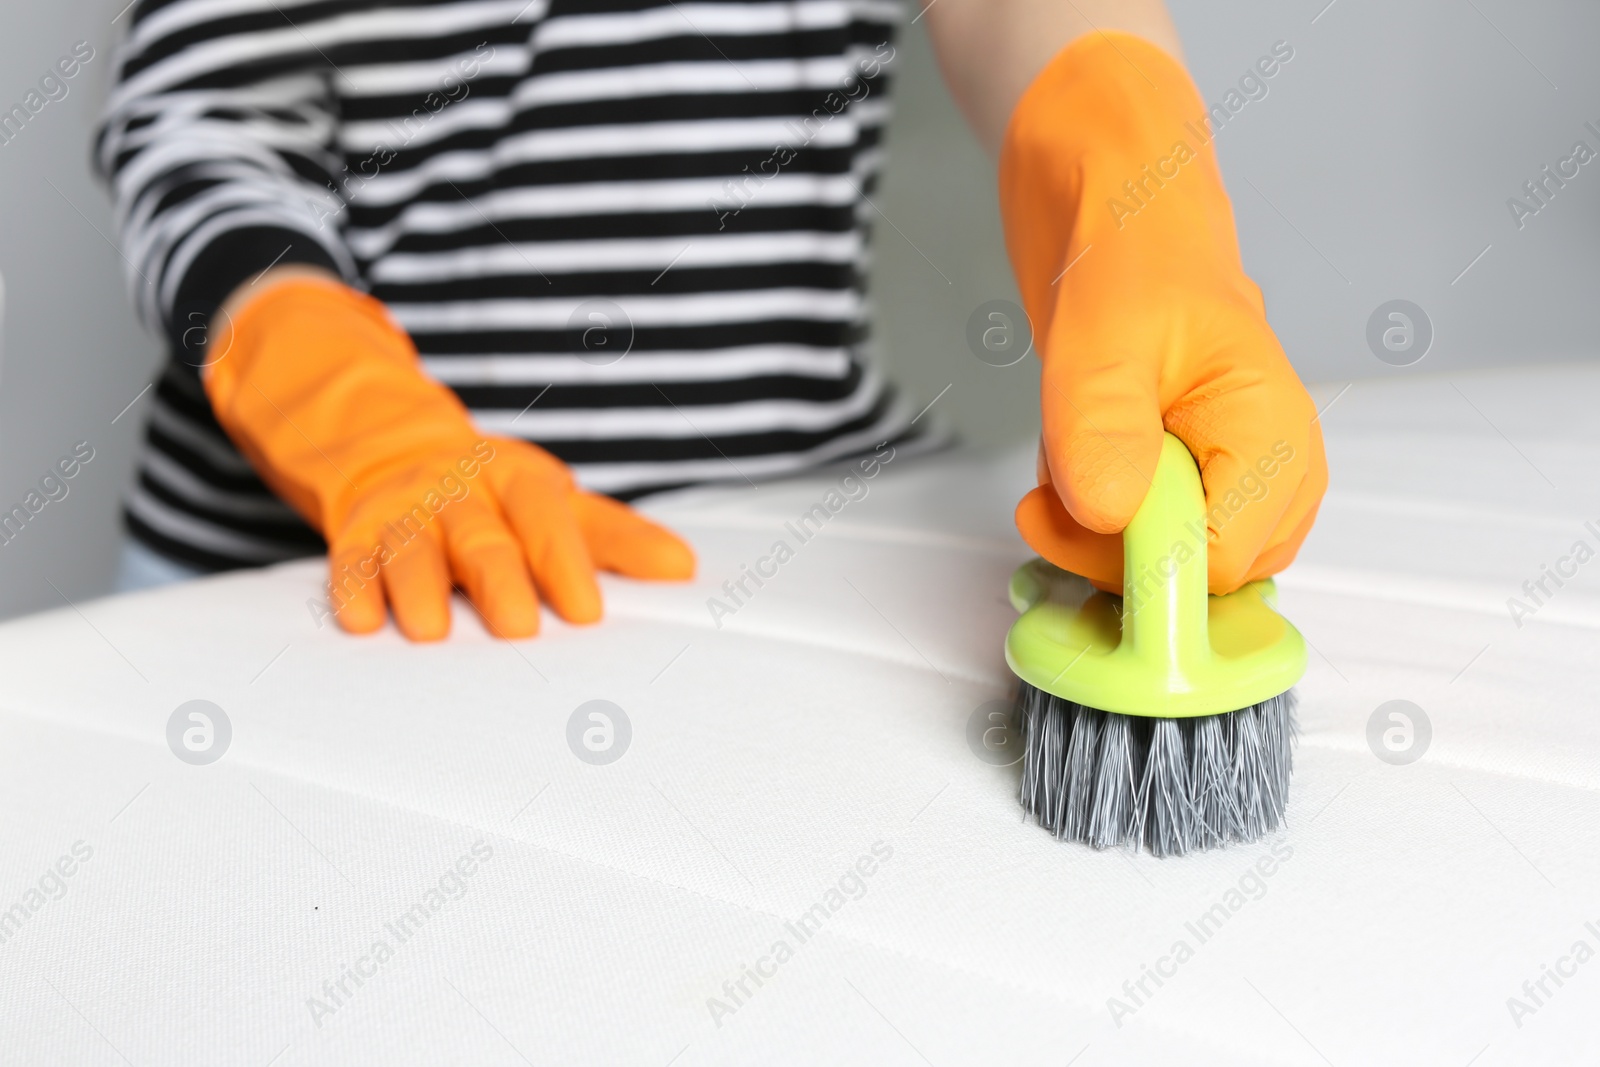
(826, 716)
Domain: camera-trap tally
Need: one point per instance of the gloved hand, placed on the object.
(324, 394)
(1122, 240)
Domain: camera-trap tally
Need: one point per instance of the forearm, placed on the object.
(991, 50)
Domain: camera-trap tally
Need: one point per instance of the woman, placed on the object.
(428, 268)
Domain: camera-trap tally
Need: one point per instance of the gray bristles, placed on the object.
(1171, 785)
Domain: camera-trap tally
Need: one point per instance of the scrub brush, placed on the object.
(1163, 717)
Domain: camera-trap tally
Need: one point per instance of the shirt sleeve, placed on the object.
(219, 147)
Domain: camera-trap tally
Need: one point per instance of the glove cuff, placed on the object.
(324, 393)
(1113, 124)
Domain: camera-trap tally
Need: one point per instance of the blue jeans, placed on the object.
(143, 568)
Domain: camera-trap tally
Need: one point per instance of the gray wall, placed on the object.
(73, 354)
(1377, 167)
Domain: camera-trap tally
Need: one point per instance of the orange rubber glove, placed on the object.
(1122, 240)
(325, 395)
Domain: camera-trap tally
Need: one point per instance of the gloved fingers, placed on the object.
(537, 502)
(1296, 523)
(487, 564)
(359, 549)
(1254, 447)
(416, 580)
(1281, 553)
(624, 542)
(1050, 530)
(356, 593)
(1102, 433)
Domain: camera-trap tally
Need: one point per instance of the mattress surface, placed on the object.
(754, 820)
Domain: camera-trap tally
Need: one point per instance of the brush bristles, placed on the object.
(1171, 785)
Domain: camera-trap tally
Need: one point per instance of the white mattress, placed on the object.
(621, 904)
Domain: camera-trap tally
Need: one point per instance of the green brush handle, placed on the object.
(1165, 648)
(1164, 579)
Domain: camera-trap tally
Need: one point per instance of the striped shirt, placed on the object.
(633, 232)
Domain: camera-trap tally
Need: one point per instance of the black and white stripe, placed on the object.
(490, 169)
